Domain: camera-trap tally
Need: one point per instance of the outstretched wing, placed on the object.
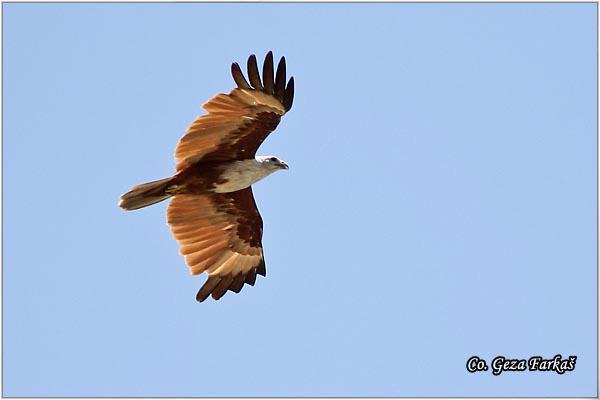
(238, 122)
(219, 233)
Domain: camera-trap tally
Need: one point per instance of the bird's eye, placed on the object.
(273, 159)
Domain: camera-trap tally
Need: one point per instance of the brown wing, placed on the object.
(221, 234)
(238, 122)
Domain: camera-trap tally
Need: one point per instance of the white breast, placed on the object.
(241, 174)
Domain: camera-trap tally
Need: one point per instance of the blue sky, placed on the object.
(441, 200)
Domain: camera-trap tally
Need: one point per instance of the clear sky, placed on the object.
(441, 200)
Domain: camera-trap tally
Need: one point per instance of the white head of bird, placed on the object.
(240, 174)
(272, 163)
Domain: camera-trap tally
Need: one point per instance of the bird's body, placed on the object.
(212, 213)
(222, 176)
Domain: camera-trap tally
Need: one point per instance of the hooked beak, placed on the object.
(284, 165)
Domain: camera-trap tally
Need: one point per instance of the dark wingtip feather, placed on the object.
(222, 287)
(268, 79)
(207, 288)
(280, 79)
(238, 283)
(251, 277)
(288, 97)
(238, 76)
(253, 73)
(261, 269)
(275, 86)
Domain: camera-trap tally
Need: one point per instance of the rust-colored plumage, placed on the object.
(212, 213)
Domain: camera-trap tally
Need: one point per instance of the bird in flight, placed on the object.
(212, 213)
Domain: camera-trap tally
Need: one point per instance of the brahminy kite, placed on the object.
(212, 213)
